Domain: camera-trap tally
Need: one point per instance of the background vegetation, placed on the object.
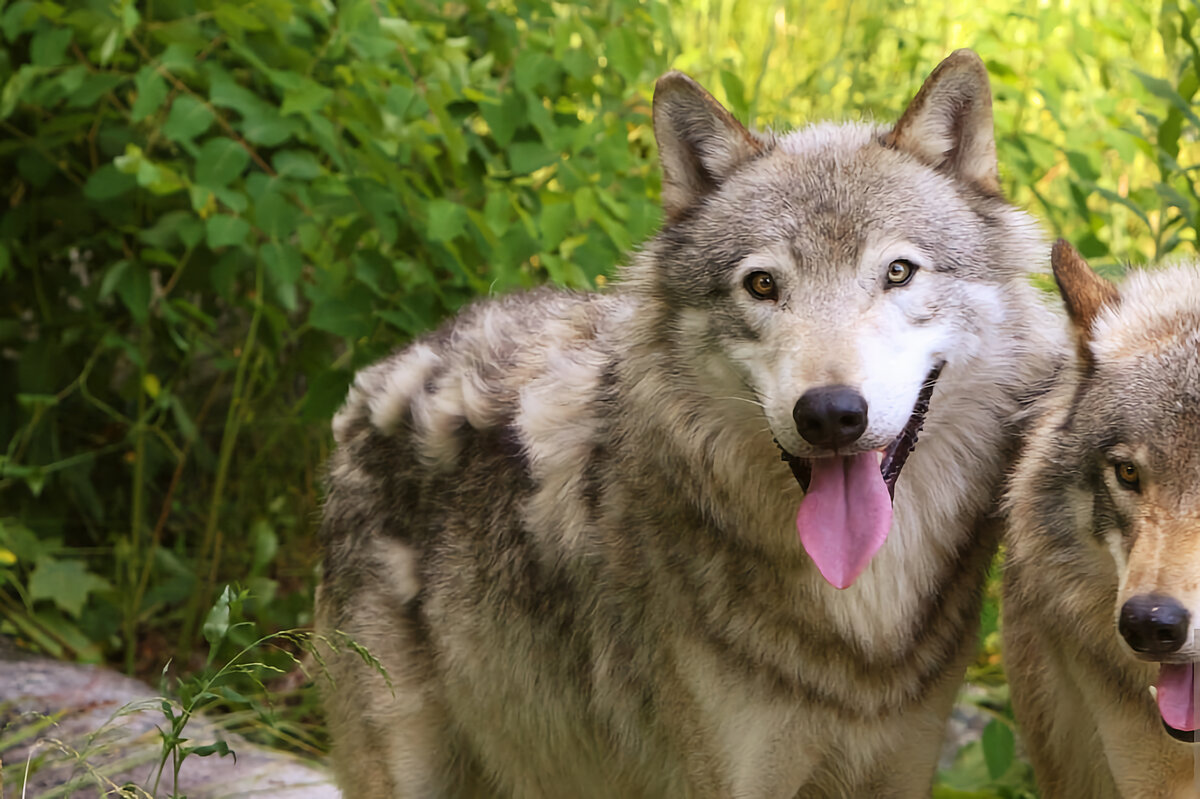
(212, 212)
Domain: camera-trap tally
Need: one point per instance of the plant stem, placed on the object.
(132, 598)
(210, 550)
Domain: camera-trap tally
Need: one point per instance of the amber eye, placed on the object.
(1127, 475)
(900, 272)
(761, 286)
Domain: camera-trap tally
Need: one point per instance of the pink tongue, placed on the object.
(845, 516)
(1176, 697)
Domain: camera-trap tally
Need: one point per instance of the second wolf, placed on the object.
(1102, 584)
(562, 522)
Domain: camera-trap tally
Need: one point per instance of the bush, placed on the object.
(216, 212)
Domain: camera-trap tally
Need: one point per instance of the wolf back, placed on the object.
(1102, 581)
(566, 524)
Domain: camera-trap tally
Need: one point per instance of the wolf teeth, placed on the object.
(1154, 692)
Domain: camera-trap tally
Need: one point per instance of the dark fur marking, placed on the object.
(593, 484)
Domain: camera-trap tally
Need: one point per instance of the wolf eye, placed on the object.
(1127, 475)
(761, 286)
(900, 272)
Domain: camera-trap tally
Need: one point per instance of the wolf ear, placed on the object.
(948, 125)
(1084, 292)
(699, 142)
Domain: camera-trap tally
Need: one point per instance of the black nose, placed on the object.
(831, 416)
(1154, 625)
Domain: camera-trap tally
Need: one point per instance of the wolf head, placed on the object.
(828, 274)
(1134, 424)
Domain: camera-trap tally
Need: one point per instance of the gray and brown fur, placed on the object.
(563, 526)
(1082, 544)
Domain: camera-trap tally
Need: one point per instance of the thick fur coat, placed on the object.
(562, 525)
(1105, 514)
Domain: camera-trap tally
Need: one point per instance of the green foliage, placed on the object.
(1095, 124)
(217, 212)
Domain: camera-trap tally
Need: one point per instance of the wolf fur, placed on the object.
(1082, 544)
(562, 524)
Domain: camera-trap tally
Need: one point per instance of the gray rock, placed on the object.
(73, 730)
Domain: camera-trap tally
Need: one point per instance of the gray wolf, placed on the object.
(1102, 581)
(566, 524)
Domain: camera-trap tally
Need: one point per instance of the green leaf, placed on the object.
(107, 183)
(998, 748)
(399, 99)
(158, 178)
(67, 583)
(556, 218)
(266, 544)
(133, 287)
(24, 543)
(220, 161)
(348, 318)
(735, 93)
(504, 118)
(49, 47)
(623, 51)
(283, 263)
(236, 20)
(1165, 91)
(16, 87)
(94, 86)
(526, 157)
(300, 164)
(216, 624)
(326, 393)
(19, 18)
(172, 227)
(112, 276)
(309, 97)
(182, 419)
(275, 215)
(533, 68)
(267, 127)
(223, 230)
(447, 219)
(219, 748)
(151, 93)
(188, 119)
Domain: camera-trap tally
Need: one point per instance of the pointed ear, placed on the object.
(948, 125)
(1084, 292)
(699, 142)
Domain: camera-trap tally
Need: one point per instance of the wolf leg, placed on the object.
(391, 734)
(915, 740)
(1053, 713)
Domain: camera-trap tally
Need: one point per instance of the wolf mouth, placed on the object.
(1175, 694)
(846, 512)
(1187, 736)
(894, 455)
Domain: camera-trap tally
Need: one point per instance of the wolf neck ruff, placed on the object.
(845, 517)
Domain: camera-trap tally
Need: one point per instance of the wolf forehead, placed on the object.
(827, 191)
(1146, 378)
(1157, 316)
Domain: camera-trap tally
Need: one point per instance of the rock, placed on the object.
(67, 728)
